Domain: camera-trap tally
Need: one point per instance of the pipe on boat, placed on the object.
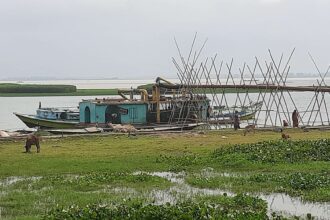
(158, 79)
(143, 92)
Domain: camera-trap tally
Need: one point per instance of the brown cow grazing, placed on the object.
(285, 136)
(32, 139)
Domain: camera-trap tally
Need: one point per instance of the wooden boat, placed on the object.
(221, 115)
(51, 118)
(76, 131)
(169, 127)
(32, 121)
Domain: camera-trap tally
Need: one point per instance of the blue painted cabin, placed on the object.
(104, 111)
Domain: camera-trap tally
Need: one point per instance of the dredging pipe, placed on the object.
(143, 92)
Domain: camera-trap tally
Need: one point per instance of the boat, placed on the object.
(223, 115)
(51, 118)
(177, 111)
(90, 130)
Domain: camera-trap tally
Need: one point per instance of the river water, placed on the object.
(28, 105)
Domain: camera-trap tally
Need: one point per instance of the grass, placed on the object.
(87, 170)
(79, 92)
(36, 88)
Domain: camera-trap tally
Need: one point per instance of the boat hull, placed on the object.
(220, 120)
(32, 122)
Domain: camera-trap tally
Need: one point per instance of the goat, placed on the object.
(249, 128)
(285, 136)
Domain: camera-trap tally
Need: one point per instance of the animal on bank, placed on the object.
(32, 139)
(285, 136)
(249, 128)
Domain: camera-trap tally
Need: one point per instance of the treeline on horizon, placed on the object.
(32, 88)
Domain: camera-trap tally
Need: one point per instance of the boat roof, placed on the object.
(59, 109)
(118, 101)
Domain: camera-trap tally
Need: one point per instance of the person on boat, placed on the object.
(236, 121)
(295, 121)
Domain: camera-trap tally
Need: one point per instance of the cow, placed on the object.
(32, 139)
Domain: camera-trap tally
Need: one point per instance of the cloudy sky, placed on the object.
(134, 38)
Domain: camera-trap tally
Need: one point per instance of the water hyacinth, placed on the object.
(279, 151)
(238, 207)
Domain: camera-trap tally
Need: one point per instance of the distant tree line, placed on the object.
(31, 88)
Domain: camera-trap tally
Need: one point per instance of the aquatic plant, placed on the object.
(238, 207)
(278, 151)
(180, 162)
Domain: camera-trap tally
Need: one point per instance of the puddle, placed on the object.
(285, 205)
(14, 179)
(179, 191)
(209, 172)
(121, 190)
(277, 202)
(11, 180)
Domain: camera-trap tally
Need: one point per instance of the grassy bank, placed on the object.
(96, 170)
(34, 88)
(79, 92)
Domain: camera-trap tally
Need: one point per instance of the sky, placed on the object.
(134, 39)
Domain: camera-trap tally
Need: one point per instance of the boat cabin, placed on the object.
(58, 114)
(116, 111)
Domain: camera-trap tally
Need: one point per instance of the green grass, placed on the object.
(79, 92)
(86, 170)
(36, 88)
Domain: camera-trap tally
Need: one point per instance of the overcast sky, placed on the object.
(134, 38)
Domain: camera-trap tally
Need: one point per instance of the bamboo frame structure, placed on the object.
(213, 78)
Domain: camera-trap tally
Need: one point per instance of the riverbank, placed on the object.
(79, 92)
(195, 167)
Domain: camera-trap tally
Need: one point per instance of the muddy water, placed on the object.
(277, 202)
